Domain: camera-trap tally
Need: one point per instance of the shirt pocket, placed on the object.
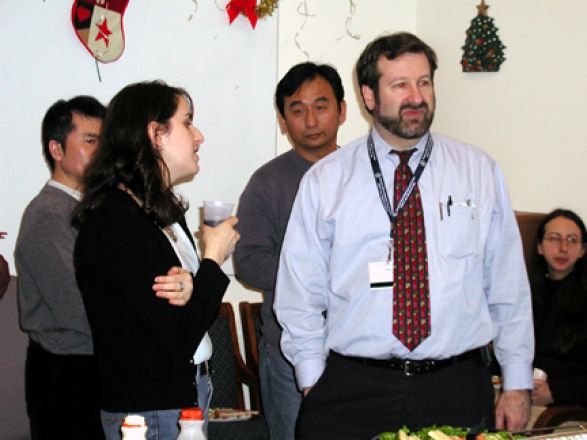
(459, 234)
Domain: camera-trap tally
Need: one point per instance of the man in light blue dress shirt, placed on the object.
(358, 378)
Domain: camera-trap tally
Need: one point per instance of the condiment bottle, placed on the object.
(134, 428)
(191, 423)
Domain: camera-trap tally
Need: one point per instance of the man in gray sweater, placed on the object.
(310, 100)
(60, 378)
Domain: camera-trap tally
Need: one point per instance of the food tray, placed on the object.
(565, 432)
(573, 432)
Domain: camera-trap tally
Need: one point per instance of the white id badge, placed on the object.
(381, 274)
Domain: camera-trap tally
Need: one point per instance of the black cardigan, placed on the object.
(567, 372)
(144, 345)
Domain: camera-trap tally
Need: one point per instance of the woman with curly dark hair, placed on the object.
(148, 297)
(559, 297)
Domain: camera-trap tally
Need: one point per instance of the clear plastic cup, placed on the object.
(215, 212)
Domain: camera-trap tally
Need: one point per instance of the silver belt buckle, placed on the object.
(408, 368)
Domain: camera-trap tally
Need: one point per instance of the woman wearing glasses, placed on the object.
(559, 294)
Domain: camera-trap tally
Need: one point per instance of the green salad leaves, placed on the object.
(432, 433)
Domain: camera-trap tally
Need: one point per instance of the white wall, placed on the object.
(230, 72)
(530, 116)
(325, 39)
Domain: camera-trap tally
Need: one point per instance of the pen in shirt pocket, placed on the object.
(448, 206)
(468, 204)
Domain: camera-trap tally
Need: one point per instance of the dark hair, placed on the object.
(391, 47)
(569, 215)
(572, 307)
(57, 123)
(127, 156)
(299, 74)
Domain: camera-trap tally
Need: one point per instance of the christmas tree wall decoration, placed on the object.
(483, 50)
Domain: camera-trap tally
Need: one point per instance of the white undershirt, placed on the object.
(189, 259)
(72, 192)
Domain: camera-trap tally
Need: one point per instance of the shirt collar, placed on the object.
(72, 192)
(383, 148)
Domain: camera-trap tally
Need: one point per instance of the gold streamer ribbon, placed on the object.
(220, 8)
(303, 11)
(349, 22)
(194, 11)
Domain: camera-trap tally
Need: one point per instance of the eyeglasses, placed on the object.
(555, 239)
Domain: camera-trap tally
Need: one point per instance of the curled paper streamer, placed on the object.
(194, 11)
(303, 11)
(349, 22)
(220, 8)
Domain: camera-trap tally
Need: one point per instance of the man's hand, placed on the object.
(513, 410)
(541, 394)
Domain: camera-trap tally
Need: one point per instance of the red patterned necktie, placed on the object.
(411, 299)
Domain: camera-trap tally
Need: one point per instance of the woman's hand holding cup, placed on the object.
(219, 241)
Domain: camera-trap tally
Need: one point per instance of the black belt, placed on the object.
(412, 367)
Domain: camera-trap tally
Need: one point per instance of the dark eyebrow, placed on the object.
(320, 99)
(294, 103)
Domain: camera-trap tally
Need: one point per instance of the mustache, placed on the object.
(422, 105)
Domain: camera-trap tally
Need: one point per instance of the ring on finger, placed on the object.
(181, 286)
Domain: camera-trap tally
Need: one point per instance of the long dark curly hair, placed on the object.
(572, 307)
(127, 157)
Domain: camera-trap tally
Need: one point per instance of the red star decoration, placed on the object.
(104, 33)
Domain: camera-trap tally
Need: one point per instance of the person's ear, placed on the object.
(56, 150)
(342, 115)
(155, 133)
(539, 249)
(282, 124)
(368, 97)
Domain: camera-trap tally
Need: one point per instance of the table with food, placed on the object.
(445, 432)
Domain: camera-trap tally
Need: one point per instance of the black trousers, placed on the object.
(356, 402)
(62, 395)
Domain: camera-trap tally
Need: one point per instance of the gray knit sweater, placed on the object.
(50, 304)
(263, 213)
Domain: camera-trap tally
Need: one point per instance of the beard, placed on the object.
(406, 128)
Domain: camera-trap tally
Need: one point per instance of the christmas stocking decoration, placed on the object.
(98, 25)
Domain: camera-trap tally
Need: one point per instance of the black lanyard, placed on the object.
(392, 214)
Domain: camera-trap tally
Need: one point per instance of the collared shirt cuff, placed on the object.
(309, 371)
(517, 377)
